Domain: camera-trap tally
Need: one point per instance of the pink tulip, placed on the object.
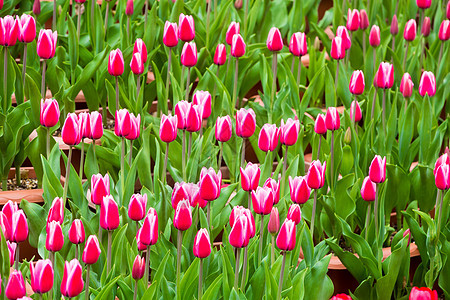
(9, 30)
(168, 128)
(55, 238)
(444, 159)
(357, 109)
(170, 37)
(72, 282)
(109, 213)
(137, 207)
(210, 184)
(426, 27)
(423, 293)
(343, 33)
(186, 28)
(223, 129)
(203, 100)
(15, 288)
(56, 211)
(319, 125)
(135, 130)
(182, 219)
(298, 45)
(374, 36)
(5, 226)
(189, 55)
(262, 200)
(49, 115)
(71, 131)
(442, 177)
(250, 177)
(181, 112)
(353, 20)
(233, 29)
(316, 175)
(91, 251)
(299, 189)
(337, 48)
(368, 190)
(406, 85)
(274, 40)
(141, 48)
(36, 7)
(448, 10)
(410, 30)
(242, 211)
(41, 275)
(341, 297)
(99, 188)
(138, 268)
(116, 63)
(12, 253)
(96, 125)
(274, 221)
(122, 126)
(423, 3)
(46, 43)
(239, 236)
(85, 124)
(136, 64)
(357, 84)
(294, 213)
(202, 245)
(19, 227)
(245, 122)
(76, 232)
(129, 9)
(27, 29)
(385, 75)
(394, 25)
(194, 118)
(364, 19)
(332, 119)
(377, 170)
(185, 191)
(220, 56)
(268, 137)
(148, 235)
(289, 132)
(286, 237)
(427, 84)
(237, 46)
(275, 187)
(444, 29)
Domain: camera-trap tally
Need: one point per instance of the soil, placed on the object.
(25, 184)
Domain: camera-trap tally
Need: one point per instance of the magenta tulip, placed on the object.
(426, 27)
(220, 56)
(9, 30)
(115, 63)
(320, 125)
(274, 221)
(223, 129)
(91, 251)
(444, 29)
(46, 43)
(342, 32)
(354, 107)
(275, 187)
(368, 190)
(109, 213)
(299, 189)
(55, 238)
(203, 100)
(262, 200)
(15, 288)
(210, 184)
(49, 115)
(385, 76)
(286, 237)
(122, 126)
(56, 211)
(357, 84)
(41, 275)
(99, 188)
(406, 85)
(353, 20)
(129, 8)
(274, 40)
(374, 36)
(239, 236)
(427, 84)
(182, 219)
(233, 29)
(137, 207)
(332, 119)
(289, 131)
(294, 213)
(96, 125)
(135, 130)
(337, 48)
(237, 46)
(394, 25)
(423, 293)
(423, 3)
(298, 45)
(76, 232)
(202, 244)
(170, 37)
(410, 30)
(136, 64)
(189, 55)
(72, 282)
(316, 175)
(27, 29)
(363, 19)
(148, 235)
(442, 177)
(268, 137)
(141, 48)
(186, 28)
(245, 122)
(250, 177)
(71, 131)
(185, 191)
(85, 124)
(12, 252)
(138, 270)
(19, 227)
(168, 128)
(377, 170)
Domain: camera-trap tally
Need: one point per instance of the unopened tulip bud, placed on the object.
(427, 84)
(394, 25)
(168, 128)
(15, 288)
(426, 27)
(377, 170)
(72, 283)
(274, 40)
(348, 136)
(354, 107)
(186, 28)
(368, 189)
(319, 125)
(410, 30)
(115, 63)
(170, 37)
(422, 294)
(138, 268)
(189, 55)
(76, 232)
(286, 239)
(220, 56)
(233, 29)
(183, 216)
(238, 46)
(223, 129)
(332, 119)
(274, 221)
(374, 36)
(444, 30)
(245, 122)
(406, 85)
(289, 131)
(299, 189)
(423, 4)
(364, 19)
(357, 84)
(91, 251)
(353, 20)
(55, 238)
(294, 213)
(202, 244)
(268, 137)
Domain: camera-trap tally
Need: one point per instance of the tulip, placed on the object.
(298, 45)
(385, 80)
(19, 227)
(337, 48)
(56, 211)
(223, 129)
(15, 288)
(5, 226)
(186, 28)
(355, 109)
(233, 29)
(36, 7)
(268, 137)
(363, 19)
(109, 213)
(374, 36)
(122, 126)
(294, 213)
(148, 234)
(9, 29)
(138, 268)
(341, 297)
(423, 4)
(394, 26)
(377, 170)
(170, 37)
(129, 9)
(332, 119)
(320, 125)
(250, 177)
(245, 122)
(427, 84)
(356, 85)
(346, 39)
(85, 131)
(96, 125)
(286, 237)
(274, 222)
(202, 245)
(274, 40)
(49, 115)
(115, 63)
(406, 86)
(46, 43)
(220, 56)
(275, 187)
(448, 10)
(91, 251)
(407, 233)
(353, 20)
(368, 189)
(444, 33)
(299, 189)
(426, 27)
(262, 200)
(141, 48)
(168, 128)
(189, 55)
(76, 233)
(137, 207)
(41, 275)
(203, 100)
(410, 30)
(99, 188)
(444, 159)
(135, 129)
(316, 175)
(183, 217)
(289, 131)
(422, 294)
(239, 237)
(12, 252)
(210, 184)
(442, 177)
(72, 282)
(237, 46)
(137, 65)
(55, 238)
(71, 131)
(182, 109)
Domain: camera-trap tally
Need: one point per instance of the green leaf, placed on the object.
(36, 221)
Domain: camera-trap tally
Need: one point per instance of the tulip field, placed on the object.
(225, 149)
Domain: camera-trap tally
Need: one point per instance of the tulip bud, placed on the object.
(319, 125)
(193, 118)
(426, 27)
(19, 227)
(368, 190)
(444, 159)
(139, 47)
(343, 34)
(186, 28)
(203, 100)
(262, 200)
(332, 119)
(202, 245)
(55, 238)
(410, 30)
(406, 85)
(137, 207)
(316, 175)
(223, 129)
(41, 275)
(182, 219)
(189, 55)
(91, 251)
(274, 40)
(423, 293)
(374, 36)
(109, 213)
(250, 177)
(442, 177)
(122, 126)
(245, 122)
(5, 226)
(348, 136)
(27, 29)
(99, 188)
(36, 7)
(220, 56)
(129, 9)
(353, 20)
(148, 234)
(377, 170)
(138, 268)
(357, 84)
(135, 130)
(71, 131)
(299, 189)
(341, 297)
(96, 125)
(294, 213)
(9, 30)
(427, 84)
(268, 137)
(76, 232)
(448, 10)
(354, 107)
(46, 43)
(423, 4)
(394, 25)
(210, 184)
(116, 63)
(49, 115)
(168, 128)
(233, 29)
(15, 288)
(237, 46)
(364, 19)
(72, 282)
(239, 236)
(298, 46)
(337, 48)
(289, 132)
(12, 253)
(275, 187)
(385, 76)
(286, 237)
(140, 245)
(444, 29)
(185, 191)
(274, 221)
(136, 64)
(170, 37)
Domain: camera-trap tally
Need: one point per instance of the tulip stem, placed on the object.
(135, 290)
(108, 258)
(52, 260)
(404, 58)
(208, 216)
(179, 245)
(384, 112)
(244, 268)
(48, 143)
(249, 200)
(190, 145)
(100, 231)
(5, 79)
(92, 12)
(299, 71)
(106, 18)
(24, 66)
(66, 182)
(215, 89)
(215, 9)
(138, 86)
(80, 173)
(208, 15)
(283, 177)
(122, 168)
(437, 202)
(261, 236)
(280, 284)
(165, 163)
(183, 155)
(292, 65)
(236, 270)
(146, 14)
(274, 84)
(130, 156)
(393, 50)
(117, 93)
(200, 279)
(272, 254)
(40, 297)
(78, 20)
(147, 265)
(364, 44)
(86, 293)
(183, 69)
(337, 75)
(54, 16)
(354, 117)
(438, 222)
(313, 215)
(236, 68)
(440, 54)
(16, 260)
(128, 26)
(43, 89)
(367, 220)
(76, 251)
(246, 17)
(188, 81)
(220, 156)
(374, 53)
(376, 212)
(332, 161)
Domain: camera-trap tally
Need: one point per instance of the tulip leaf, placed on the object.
(423, 188)
(152, 291)
(36, 222)
(213, 290)
(317, 284)
(189, 280)
(107, 289)
(4, 257)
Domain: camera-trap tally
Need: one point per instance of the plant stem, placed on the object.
(215, 91)
(169, 65)
(146, 14)
(283, 176)
(190, 145)
(440, 54)
(100, 231)
(179, 245)
(438, 223)
(220, 156)
(86, 293)
(437, 203)
(332, 161)
(280, 284)
(188, 80)
(164, 174)
(122, 168)
(374, 52)
(106, 18)
(208, 15)
(299, 71)
(5, 79)
(249, 200)
(54, 16)
(364, 44)
(376, 212)
(43, 89)
(272, 253)
(244, 268)
(384, 112)
(318, 148)
(183, 69)
(128, 26)
(236, 69)
(80, 173)
(183, 155)
(92, 11)
(48, 143)
(313, 215)
(17, 258)
(76, 251)
(147, 265)
(200, 277)
(274, 84)
(130, 154)
(135, 290)
(117, 93)
(208, 216)
(393, 48)
(261, 236)
(78, 21)
(292, 65)
(24, 66)
(108, 259)
(66, 183)
(246, 17)
(243, 153)
(52, 260)
(236, 270)
(215, 9)
(367, 220)
(337, 75)
(422, 45)
(404, 58)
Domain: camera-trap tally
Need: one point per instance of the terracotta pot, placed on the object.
(33, 195)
